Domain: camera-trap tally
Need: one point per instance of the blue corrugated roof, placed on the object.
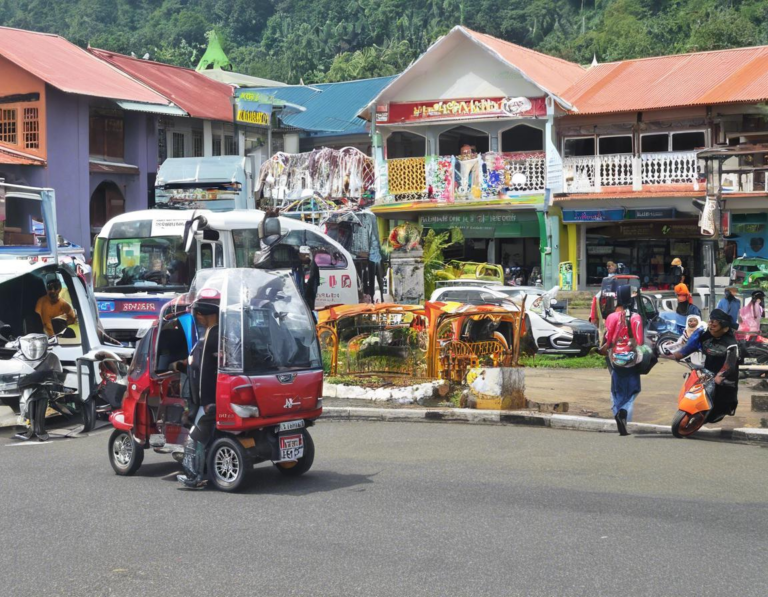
(330, 107)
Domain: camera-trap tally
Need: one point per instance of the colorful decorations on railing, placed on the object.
(333, 173)
(468, 177)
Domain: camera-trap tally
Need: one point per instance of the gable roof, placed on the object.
(71, 69)
(554, 75)
(700, 79)
(198, 95)
(329, 107)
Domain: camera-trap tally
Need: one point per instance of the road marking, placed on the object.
(28, 444)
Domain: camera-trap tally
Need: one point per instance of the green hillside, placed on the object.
(332, 40)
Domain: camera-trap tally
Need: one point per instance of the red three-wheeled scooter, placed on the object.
(268, 384)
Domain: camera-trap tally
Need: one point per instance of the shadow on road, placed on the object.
(268, 481)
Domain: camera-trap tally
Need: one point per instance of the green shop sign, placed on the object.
(486, 224)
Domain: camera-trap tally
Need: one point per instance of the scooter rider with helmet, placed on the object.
(721, 355)
(202, 369)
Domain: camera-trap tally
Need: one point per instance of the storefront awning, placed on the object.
(151, 108)
(103, 167)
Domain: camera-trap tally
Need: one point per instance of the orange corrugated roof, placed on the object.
(194, 93)
(552, 74)
(71, 69)
(700, 79)
(17, 158)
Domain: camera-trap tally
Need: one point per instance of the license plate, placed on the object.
(290, 425)
(750, 361)
(291, 447)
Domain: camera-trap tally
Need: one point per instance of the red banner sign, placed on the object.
(506, 107)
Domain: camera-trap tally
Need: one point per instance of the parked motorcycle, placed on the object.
(696, 401)
(34, 379)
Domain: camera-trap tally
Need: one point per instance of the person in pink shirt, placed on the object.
(623, 336)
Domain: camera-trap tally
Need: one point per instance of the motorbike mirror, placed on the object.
(190, 230)
(553, 302)
(59, 326)
(68, 333)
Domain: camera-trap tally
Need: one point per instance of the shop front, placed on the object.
(642, 240)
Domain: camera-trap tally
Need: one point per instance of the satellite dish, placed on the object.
(518, 178)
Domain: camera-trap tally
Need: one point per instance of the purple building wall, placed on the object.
(68, 170)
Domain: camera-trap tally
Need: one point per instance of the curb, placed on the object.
(553, 421)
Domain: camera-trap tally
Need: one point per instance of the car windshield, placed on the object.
(156, 263)
(265, 324)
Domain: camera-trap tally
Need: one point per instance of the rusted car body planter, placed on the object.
(436, 342)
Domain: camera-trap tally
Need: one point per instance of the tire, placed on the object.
(89, 415)
(125, 455)
(584, 352)
(665, 339)
(228, 465)
(685, 425)
(528, 343)
(303, 464)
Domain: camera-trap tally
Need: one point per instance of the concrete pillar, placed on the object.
(207, 138)
(573, 252)
(291, 143)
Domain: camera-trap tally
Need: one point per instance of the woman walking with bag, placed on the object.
(623, 337)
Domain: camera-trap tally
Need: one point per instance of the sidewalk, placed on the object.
(588, 393)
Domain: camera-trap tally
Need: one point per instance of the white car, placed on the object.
(549, 332)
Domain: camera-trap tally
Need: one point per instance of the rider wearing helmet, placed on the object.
(202, 368)
(721, 355)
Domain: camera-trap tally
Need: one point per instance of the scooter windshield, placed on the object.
(265, 324)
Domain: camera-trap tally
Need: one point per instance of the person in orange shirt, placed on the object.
(51, 306)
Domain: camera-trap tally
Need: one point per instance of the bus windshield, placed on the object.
(156, 263)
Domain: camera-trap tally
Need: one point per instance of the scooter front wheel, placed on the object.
(685, 424)
(125, 455)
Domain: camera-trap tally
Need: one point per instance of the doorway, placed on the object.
(107, 202)
(451, 141)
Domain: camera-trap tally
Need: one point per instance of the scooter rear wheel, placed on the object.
(228, 465)
(303, 464)
(685, 424)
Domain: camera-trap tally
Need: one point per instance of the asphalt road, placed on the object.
(400, 509)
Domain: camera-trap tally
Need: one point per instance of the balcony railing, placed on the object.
(591, 174)
(448, 179)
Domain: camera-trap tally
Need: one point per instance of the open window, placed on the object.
(406, 145)
(451, 141)
(614, 144)
(578, 147)
(522, 138)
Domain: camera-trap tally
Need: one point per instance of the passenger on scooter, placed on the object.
(692, 325)
(685, 306)
(721, 355)
(52, 305)
(202, 369)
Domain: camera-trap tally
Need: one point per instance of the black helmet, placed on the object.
(721, 317)
(758, 294)
(206, 302)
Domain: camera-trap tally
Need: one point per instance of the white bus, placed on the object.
(140, 261)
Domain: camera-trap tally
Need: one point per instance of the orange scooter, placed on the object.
(695, 401)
